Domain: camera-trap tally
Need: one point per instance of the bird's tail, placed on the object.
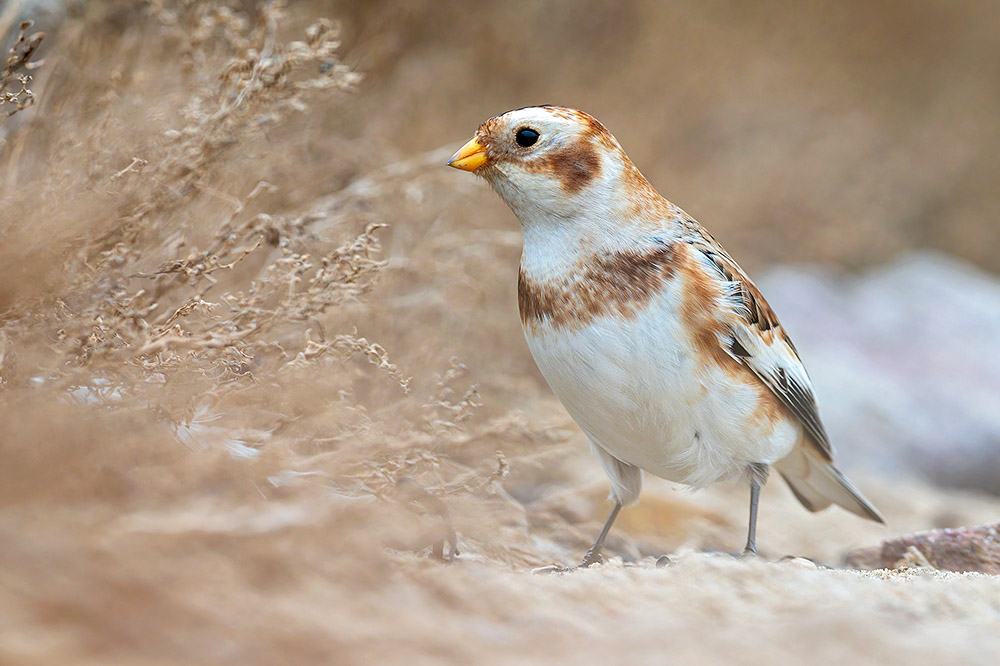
(817, 484)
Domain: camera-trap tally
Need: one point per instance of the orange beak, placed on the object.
(469, 157)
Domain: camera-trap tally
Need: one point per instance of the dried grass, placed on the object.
(13, 84)
(201, 310)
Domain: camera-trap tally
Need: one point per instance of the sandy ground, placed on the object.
(309, 578)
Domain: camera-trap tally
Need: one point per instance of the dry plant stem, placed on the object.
(215, 313)
(19, 97)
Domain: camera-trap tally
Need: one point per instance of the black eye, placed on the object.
(526, 137)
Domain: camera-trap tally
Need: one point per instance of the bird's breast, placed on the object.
(626, 357)
(616, 284)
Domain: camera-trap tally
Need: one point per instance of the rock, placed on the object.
(904, 363)
(800, 562)
(957, 549)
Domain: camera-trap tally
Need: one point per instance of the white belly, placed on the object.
(640, 392)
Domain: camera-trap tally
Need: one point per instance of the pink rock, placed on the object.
(954, 549)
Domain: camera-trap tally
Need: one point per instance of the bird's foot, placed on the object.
(750, 552)
(551, 569)
(591, 558)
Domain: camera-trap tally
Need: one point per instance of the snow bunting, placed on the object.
(654, 339)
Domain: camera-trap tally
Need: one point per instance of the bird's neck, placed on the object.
(620, 215)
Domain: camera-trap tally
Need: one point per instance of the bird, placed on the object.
(656, 342)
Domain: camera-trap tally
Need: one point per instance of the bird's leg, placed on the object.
(758, 476)
(751, 547)
(593, 555)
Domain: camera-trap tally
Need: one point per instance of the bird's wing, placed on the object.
(754, 337)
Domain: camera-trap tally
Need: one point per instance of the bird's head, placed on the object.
(551, 163)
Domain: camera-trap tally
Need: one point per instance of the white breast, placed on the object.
(641, 392)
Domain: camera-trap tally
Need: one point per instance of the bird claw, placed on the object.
(551, 569)
(589, 560)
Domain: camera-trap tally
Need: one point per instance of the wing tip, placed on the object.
(816, 492)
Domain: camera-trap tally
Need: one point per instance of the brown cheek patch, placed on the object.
(621, 283)
(575, 166)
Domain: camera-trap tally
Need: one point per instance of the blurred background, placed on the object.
(261, 368)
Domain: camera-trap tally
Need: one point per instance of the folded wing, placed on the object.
(754, 337)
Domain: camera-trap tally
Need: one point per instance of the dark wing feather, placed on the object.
(799, 400)
(760, 343)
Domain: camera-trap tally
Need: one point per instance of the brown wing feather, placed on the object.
(759, 320)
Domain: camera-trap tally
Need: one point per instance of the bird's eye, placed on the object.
(526, 137)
